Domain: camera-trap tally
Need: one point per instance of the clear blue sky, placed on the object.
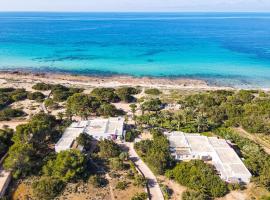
(135, 5)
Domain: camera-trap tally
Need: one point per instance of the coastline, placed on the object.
(28, 77)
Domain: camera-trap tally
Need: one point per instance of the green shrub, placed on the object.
(125, 94)
(166, 191)
(47, 188)
(38, 96)
(42, 86)
(51, 104)
(5, 140)
(105, 94)
(139, 180)
(116, 163)
(108, 149)
(121, 185)
(9, 113)
(198, 176)
(194, 195)
(97, 181)
(69, 165)
(131, 135)
(140, 196)
(153, 91)
(19, 94)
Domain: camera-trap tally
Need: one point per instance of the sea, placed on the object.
(228, 49)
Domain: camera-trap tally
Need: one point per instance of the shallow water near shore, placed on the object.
(231, 49)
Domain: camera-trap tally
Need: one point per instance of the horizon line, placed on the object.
(69, 11)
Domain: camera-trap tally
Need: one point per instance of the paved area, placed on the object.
(155, 190)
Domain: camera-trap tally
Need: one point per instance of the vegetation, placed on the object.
(139, 180)
(116, 163)
(108, 149)
(131, 135)
(152, 105)
(20, 160)
(82, 105)
(38, 96)
(194, 195)
(200, 177)
(85, 105)
(97, 181)
(31, 145)
(61, 93)
(85, 140)
(166, 191)
(105, 94)
(153, 91)
(155, 152)
(256, 159)
(9, 113)
(67, 166)
(11, 95)
(121, 185)
(5, 140)
(50, 104)
(140, 196)
(207, 111)
(47, 188)
(126, 94)
(42, 86)
(108, 110)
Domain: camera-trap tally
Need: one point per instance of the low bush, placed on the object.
(121, 185)
(140, 196)
(98, 181)
(38, 96)
(153, 91)
(199, 176)
(9, 113)
(47, 188)
(42, 86)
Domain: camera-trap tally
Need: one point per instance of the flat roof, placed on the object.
(225, 159)
(98, 126)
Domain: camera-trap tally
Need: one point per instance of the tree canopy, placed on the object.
(68, 165)
(199, 176)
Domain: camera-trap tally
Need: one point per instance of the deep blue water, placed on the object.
(224, 48)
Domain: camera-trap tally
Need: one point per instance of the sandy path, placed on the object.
(265, 145)
(155, 190)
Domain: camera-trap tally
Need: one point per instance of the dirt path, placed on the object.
(155, 190)
(111, 188)
(265, 145)
(107, 176)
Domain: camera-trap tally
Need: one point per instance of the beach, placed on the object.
(21, 79)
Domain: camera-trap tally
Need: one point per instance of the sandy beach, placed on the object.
(20, 79)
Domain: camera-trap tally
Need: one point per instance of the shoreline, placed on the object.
(106, 81)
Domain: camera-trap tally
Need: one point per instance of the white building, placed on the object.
(5, 178)
(99, 129)
(194, 146)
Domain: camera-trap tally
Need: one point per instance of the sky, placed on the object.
(136, 5)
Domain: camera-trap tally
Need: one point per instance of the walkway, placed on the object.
(155, 190)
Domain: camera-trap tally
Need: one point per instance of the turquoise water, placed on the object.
(223, 48)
